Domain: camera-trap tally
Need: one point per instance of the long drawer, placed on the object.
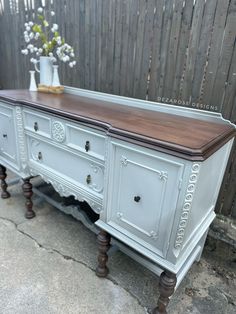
(75, 168)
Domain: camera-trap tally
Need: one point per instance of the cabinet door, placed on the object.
(8, 147)
(144, 195)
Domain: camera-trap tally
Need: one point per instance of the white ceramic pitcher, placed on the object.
(45, 64)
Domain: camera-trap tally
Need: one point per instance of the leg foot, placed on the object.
(27, 190)
(3, 175)
(166, 286)
(103, 246)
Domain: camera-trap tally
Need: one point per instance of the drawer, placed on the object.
(86, 140)
(140, 205)
(70, 166)
(37, 123)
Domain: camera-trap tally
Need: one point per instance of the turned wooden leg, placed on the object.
(103, 246)
(3, 175)
(27, 190)
(166, 287)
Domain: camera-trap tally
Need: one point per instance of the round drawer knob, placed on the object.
(4, 135)
(137, 198)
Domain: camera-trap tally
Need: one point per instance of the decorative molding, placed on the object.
(124, 161)
(64, 190)
(21, 138)
(163, 175)
(186, 207)
(97, 170)
(153, 234)
(58, 131)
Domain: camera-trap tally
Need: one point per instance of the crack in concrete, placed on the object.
(48, 249)
(66, 257)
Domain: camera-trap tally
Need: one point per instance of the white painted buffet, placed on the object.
(151, 171)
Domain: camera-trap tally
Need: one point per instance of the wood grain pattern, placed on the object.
(192, 138)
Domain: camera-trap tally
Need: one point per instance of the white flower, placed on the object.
(27, 40)
(26, 24)
(36, 36)
(40, 10)
(71, 64)
(30, 46)
(35, 49)
(65, 58)
(25, 33)
(34, 61)
(50, 54)
(31, 23)
(27, 28)
(24, 52)
(72, 54)
(40, 50)
(74, 62)
(31, 35)
(54, 28)
(52, 13)
(45, 46)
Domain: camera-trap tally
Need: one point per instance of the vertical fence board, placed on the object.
(173, 48)
(215, 48)
(155, 53)
(192, 48)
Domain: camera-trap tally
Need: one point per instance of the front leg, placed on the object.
(167, 285)
(3, 175)
(103, 246)
(27, 190)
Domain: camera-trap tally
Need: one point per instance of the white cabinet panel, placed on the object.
(144, 193)
(8, 145)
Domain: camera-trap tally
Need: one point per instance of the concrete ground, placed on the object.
(47, 266)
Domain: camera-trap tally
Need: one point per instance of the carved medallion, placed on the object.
(58, 131)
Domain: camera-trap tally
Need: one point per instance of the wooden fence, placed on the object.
(176, 51)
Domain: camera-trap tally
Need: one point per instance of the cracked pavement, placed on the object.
(47, 266)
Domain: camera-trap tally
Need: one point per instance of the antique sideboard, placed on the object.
(151, 171)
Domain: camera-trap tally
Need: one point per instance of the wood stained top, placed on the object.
(188, 138)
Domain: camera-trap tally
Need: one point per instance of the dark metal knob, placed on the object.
(88, 179)
(4, 135)
(137, 198)
(40, 156)
(87, 146)
(36, 127)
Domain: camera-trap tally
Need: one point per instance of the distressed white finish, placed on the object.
(159, 205)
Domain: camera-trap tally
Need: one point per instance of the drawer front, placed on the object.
(86, 141)
(72, 167)
(145, 191)
(37, 123)
(8, 144)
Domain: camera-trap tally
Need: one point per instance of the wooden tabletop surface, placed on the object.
(182, 136)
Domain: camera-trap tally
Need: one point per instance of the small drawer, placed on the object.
(37, 123)
(87, 141)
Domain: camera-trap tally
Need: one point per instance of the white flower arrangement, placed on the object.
(42, 40)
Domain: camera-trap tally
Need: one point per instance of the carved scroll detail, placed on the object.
(186, 207)
(21, 138)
